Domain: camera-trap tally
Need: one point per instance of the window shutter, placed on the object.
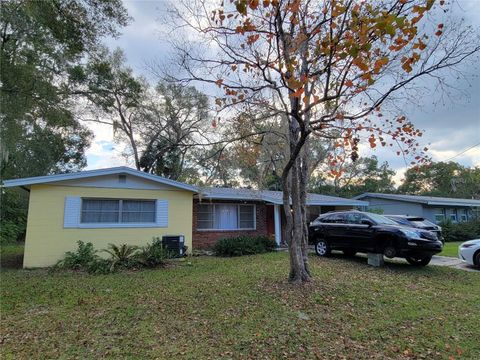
(162, 213)
(71, 215)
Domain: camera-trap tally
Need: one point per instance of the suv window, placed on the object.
(354, 218)
(334, 219)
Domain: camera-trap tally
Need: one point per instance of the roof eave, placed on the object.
(440, 203)
(383, 196)
(94, 173)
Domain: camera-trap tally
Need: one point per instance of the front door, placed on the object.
(270, 220)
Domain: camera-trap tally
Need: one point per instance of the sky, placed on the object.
(451, 127)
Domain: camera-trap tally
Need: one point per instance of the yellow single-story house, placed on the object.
(125, 206)
(117, 205)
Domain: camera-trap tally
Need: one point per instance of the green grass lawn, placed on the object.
(450, 249)
(243, 308)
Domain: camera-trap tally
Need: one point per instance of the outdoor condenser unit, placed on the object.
(175, 244)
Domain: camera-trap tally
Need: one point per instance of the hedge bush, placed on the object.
(124, 256)
(154, 254)
(243, 245)
(461, 231)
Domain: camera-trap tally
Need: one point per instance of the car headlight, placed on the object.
(412, 234)
(466, 245)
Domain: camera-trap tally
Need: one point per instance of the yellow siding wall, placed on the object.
(47, 240)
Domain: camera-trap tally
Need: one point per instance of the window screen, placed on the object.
(225, 216)
(117, 211)
(205, 217)
(100, 211)
(138, 211)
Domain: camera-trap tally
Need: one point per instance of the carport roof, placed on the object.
(427, 200)
(274, 197)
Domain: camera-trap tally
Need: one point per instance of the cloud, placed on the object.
(450, 124)
(104, 152)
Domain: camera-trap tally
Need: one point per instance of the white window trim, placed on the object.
(238, 217)
(160, 221)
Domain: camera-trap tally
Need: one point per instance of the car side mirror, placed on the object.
(366, 222)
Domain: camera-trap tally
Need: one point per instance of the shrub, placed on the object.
(81, 259)
(243, 245)
(101, 267)
(461, 231)
(85, 258)
(122, 255)
(154, 254)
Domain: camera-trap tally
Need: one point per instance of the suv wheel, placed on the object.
(322, 248)
(418, 261)
(389, 251)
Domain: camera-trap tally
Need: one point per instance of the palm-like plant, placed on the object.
(121, 255)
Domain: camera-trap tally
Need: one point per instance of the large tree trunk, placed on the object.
(303, 203)
(294, 199)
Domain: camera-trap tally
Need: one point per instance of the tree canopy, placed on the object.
(42, 45)
(330, 67)
(449, 179)
(42, 42)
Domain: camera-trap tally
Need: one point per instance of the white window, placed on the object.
(452, 215)
(225, 217)
(117, 211)
(439, 215)
(463, 215)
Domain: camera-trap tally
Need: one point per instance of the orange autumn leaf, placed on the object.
(420, 45)
(297, 93)
(360, 64)
(349, 83)
(253, 4)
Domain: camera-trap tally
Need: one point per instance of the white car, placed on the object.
(469, 252)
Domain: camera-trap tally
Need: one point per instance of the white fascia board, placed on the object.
(94, 173)
(337, 203)
(443, 203)
(229, 197)
(280, 202)
(386, 196)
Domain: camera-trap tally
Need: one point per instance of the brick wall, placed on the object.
(203, 239)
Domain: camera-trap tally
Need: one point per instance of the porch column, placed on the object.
(278, 224)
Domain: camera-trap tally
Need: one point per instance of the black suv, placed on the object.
(417, 222)
(356, 231)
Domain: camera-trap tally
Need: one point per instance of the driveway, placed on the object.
(451, 262)
(439, 261)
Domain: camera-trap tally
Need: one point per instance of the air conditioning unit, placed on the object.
(175, 244)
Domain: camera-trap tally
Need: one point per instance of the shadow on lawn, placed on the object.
(390, 264)
(11, 257)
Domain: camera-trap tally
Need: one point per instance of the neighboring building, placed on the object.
(125, 206)
(435, 209)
